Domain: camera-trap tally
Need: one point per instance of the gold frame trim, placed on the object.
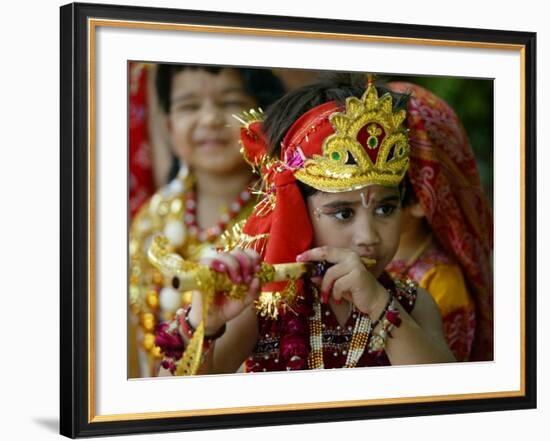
(92, 25)
(299, 406)
(91, 223)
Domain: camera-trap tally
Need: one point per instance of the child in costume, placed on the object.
(446, 242)
(209, 194)
(331, 157)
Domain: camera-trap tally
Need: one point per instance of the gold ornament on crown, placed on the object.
(345, 164)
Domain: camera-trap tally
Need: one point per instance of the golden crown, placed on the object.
(369, 146)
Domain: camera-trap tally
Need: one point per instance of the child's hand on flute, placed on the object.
(241, 267)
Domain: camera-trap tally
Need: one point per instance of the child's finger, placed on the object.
(254, 255)
(232, 265)
(255, 259)
(253, 291)
(317, 281)
(329, 254)
(342, 289)
(245, 263)
(333, 274)
(217, 266)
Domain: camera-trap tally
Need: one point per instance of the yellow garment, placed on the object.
(447, 286)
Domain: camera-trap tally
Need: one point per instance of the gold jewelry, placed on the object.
(271, 304)
(368, 123)
(315, 358)
(150, 291)
(389, 320)
(359, 338)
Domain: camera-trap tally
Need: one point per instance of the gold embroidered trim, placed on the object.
(345, 165)
(235, 238)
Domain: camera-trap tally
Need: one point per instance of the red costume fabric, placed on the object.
(281, 339)
(282, 200)
(444, 176)
(140, 157)
(282, 226)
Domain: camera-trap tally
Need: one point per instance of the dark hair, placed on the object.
(330, 87)
(261, 84)
(408, 196)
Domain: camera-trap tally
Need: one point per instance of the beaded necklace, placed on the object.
(359, 338)
(210, 234)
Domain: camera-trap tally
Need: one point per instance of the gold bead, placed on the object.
(177, 206)
(186, 297)
(156, 352)
(149, 325)
(147, 321)
(163, 208)
(152, 299)
(157, 278)
(148, 341)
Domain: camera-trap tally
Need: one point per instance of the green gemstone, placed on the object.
(372, 142)
(335, 156)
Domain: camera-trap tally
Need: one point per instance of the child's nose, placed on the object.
(366, 233)
(211, 114)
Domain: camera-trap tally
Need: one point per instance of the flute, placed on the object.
(187, 276)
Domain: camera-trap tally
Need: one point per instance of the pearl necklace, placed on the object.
(359, 338)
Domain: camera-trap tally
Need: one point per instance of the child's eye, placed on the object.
(385, 210)
(186, 107)
(344, 214)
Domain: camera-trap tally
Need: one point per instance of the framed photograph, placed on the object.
(119, 151)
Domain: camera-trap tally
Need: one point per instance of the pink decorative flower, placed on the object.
(169, 364)
(295, 158)
(170, 343)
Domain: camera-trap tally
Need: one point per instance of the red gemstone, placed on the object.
(394, 317)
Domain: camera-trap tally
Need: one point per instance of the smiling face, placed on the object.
(202, 130)
(367, 221)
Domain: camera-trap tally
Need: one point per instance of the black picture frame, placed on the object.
(77, 419)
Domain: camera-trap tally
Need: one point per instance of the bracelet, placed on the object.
(171, 339)
(390, 320)
(384, 311)
(188, 330)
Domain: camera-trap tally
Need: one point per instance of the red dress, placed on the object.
(278, 335)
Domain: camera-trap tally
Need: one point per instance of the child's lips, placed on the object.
(368, 256)
(213, 143)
